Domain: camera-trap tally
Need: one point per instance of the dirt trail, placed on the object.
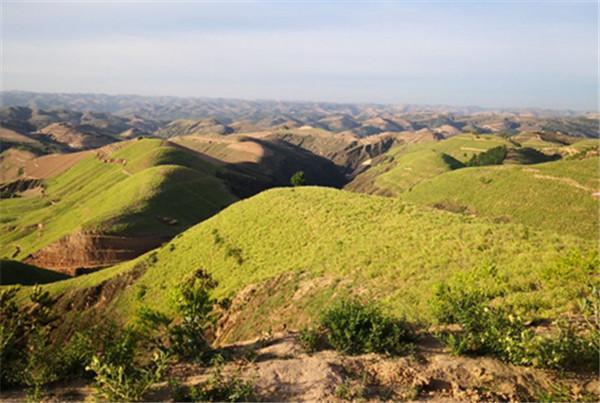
(281, 371)
(567, 181)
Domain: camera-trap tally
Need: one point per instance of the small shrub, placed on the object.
(309, 339)
(354, 328)
(499, 332)
(194, 305)
(298, 179)
(127, 382)
(24, 342)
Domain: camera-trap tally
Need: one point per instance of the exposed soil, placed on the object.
(281, 371)
(81, 252)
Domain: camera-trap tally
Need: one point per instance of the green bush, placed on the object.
(487, 330)
(354, 328)
(493, 156)
(298, 179)
(309, 339)
(127, 381)
(25, 350)
(194, 305)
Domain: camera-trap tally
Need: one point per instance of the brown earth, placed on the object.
(81, 252)
(17, 164)
(280, 370)
(75, 137)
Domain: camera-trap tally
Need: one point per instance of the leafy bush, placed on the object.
(309, 339)
(127, 381)
(493, 156)
(499, 332)
(298, 179)
(195, 306)
(354, 328)
(24, 342)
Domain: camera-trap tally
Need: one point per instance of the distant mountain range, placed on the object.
(125, 116)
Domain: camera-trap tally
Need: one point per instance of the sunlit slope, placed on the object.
(307, 246)
(404, 166)
(556, 196)
(140, 188)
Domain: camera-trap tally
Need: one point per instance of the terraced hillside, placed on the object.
(111, 205)
(282, 256)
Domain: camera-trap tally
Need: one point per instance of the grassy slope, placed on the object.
(407, 165)
(555, 196)
(157, 180)
(382, 248)
(13, 272)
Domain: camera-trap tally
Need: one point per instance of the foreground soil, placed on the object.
(281, 371)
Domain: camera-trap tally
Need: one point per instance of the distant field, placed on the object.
(304, 247)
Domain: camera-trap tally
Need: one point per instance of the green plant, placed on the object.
(298, 179)
(309, 339)
(499, 332)
(194, 305)
(218, 387)
(493, 156)
(354, 328)
(127, 382)
(24, 343)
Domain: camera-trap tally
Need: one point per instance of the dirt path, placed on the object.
(567, 181)
(281, 371)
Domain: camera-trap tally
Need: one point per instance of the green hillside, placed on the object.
(303, 247)
(404, 166)
(138, 188)
(555, 196)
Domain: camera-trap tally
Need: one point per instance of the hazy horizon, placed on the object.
(485, 54)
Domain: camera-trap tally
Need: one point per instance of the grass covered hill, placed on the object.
(556, 196)
(404, 166)
(282, 256)
(521, 186)
(113, 204)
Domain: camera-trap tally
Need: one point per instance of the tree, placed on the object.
(298, 179)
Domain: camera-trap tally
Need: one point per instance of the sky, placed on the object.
(486, 53)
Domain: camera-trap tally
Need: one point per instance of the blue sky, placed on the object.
(497, 54)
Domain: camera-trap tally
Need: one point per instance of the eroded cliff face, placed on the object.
(83, 252)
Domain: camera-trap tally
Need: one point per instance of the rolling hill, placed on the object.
(560, 196)
(111, 205)
(282, 256)
(405, 165)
